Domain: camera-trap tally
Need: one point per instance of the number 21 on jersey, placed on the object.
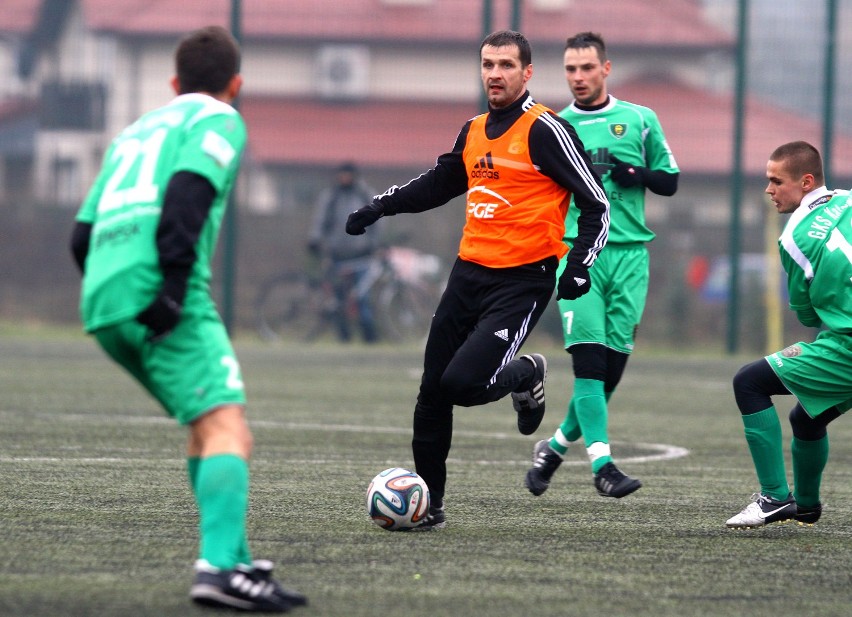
(133, 157)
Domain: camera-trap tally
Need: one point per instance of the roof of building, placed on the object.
(19, 16)
(404, 135)
(700, 128)
(663, 23)
(285, 131)
(378, 134)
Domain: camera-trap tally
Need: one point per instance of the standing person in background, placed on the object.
(345, 259)
(518, 164)
(816, 253)
(627, 145)
(144, 240)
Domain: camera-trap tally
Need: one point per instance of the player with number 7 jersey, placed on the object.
(194, 133)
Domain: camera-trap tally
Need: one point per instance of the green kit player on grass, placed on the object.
(629, 151)
(144, 240)
(816, 252)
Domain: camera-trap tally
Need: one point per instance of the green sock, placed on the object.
(763, 434)
(569, 430)
(809, 459)
(590, 405)
(221, 489)
(192, 464)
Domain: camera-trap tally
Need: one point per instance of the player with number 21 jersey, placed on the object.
(194, 133)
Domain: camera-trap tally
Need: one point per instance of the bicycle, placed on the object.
(404, 284)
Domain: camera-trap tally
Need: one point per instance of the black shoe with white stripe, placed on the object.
(249, 589)
(436, 519)
(610, 482)
(261, 570)
(545, 463)
(530, 403)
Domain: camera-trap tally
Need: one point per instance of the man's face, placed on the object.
(586, 75)
(785, 190)
(503, 77)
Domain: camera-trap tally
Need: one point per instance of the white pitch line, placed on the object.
(659, 451)
(663, 452)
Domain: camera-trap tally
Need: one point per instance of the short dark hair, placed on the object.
(800, 158)
(582, 40)
(505, 38)
(206, 60)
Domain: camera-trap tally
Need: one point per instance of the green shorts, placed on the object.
(817, 373)
(190, 372)
(610, 312)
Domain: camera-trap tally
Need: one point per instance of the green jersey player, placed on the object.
(629, 150)
(816, 252)
(144, 241)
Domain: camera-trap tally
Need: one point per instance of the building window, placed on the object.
(67, 184)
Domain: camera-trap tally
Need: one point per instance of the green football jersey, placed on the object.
(816, 252)
(633, 134)
(194, 133)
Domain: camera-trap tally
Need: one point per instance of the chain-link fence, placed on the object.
(388, 84)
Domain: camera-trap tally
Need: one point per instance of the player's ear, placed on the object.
(234, 86)
(808, 183)
(175, 84)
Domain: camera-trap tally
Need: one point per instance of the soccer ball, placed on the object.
(397, 499)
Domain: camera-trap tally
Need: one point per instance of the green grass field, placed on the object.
(96, 518)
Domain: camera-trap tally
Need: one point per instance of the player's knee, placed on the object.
(457, 388)
(742, 380)
(807, 428)
(749, 392)
(616, 362)
(247, 442)
(804, 427)
(589, 361)
(223, 430)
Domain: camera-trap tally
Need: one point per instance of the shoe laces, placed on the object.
(612, 473)
(760, 499)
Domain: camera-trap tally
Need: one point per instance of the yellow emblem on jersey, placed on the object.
(618, 129)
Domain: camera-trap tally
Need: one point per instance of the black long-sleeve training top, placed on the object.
(554, 149)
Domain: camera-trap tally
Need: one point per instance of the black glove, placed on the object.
(625, 174)
(574, 282)
(161, 317)
(362, 218)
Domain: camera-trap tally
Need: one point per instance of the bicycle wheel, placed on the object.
(406, 311)
(290, 306)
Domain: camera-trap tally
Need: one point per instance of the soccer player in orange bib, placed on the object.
(519, 164)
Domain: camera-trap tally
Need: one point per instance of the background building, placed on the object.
(388, 83)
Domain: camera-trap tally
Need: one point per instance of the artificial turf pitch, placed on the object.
(96, 517)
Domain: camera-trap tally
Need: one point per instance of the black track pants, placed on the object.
(481, 322)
